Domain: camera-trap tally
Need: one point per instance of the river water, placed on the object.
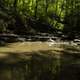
(39, 61)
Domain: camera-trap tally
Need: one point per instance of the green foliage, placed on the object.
(61, 14)
(72, 17)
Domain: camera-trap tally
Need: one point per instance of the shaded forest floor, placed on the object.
(39, 61)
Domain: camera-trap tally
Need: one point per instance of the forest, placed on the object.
(40, 16)
(39, 39)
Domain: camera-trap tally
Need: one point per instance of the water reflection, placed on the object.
(40, 65)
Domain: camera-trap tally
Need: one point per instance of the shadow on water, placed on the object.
(33, 66)
(41, 65)
(70, 64)
(2, 43)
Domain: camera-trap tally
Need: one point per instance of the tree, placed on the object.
(71, 18)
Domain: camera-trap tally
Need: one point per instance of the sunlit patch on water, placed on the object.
(20, 47)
